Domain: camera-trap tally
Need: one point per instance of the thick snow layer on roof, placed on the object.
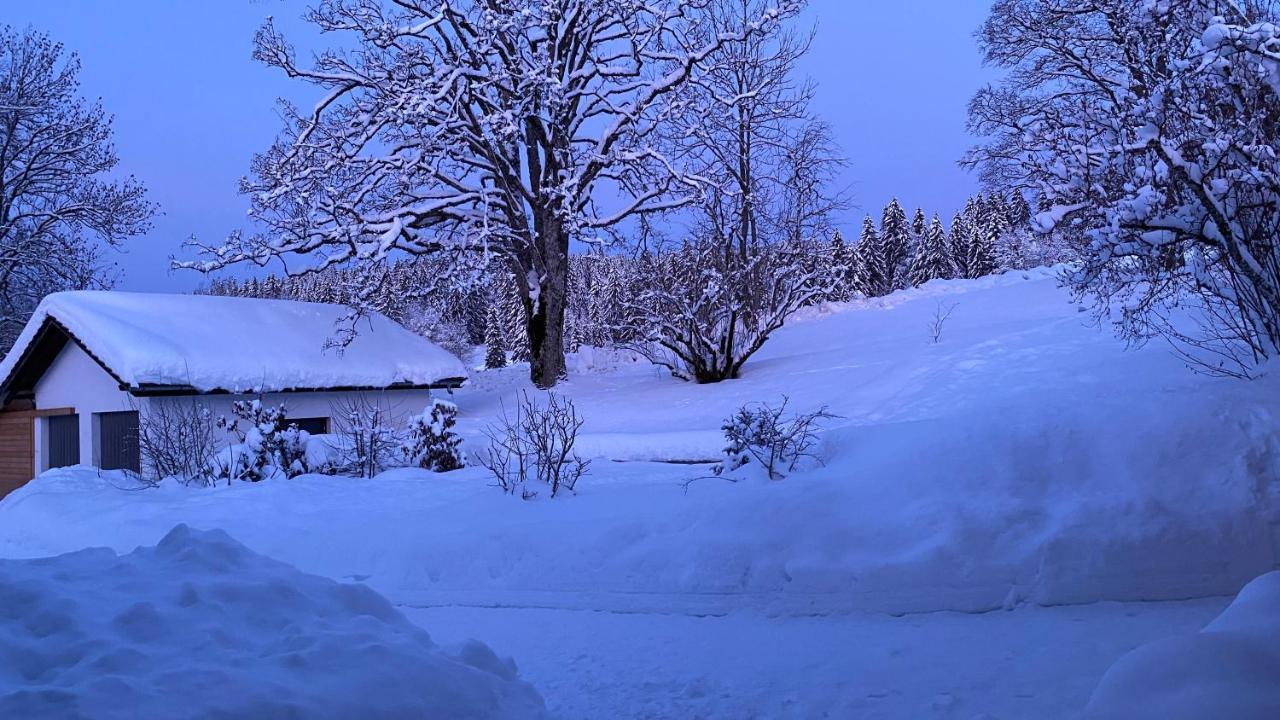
(198, 626)
(237, 344)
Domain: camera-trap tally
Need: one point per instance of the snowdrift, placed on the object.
(1026, 458)
(1231, 669)
(198, 626)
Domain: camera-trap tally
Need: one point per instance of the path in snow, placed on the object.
(1028, 663)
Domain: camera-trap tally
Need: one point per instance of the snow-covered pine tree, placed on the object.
(495, 342)
(895, 247)
(512, 314)
(866, 273)
(840, 268)
(933, 260)
(919, 228)
(432, 443)
(992, 223)
(958, 243)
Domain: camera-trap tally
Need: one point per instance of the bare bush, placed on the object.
(535, 444)
(176, 440)
(939, 319)
(367, 444)
(764, 433)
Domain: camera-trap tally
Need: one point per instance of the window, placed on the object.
(313, 425)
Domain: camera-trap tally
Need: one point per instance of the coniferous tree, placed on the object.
(984, 238)
(933, 260)
(495, 352)
(895, 248)
(840, 263)
(919, 228)
(867, 273)
(512, 314)
(958, 242)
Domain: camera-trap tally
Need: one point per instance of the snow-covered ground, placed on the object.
(1027, 664)
(198, 627)
(1026, 460)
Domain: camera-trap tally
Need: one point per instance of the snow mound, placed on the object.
(1231, 669)
(236, 344)
(199, 626)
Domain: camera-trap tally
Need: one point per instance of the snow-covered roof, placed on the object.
(228, 344)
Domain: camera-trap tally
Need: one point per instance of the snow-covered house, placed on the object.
(73, 384)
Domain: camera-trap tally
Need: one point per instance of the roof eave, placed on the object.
(162, 390)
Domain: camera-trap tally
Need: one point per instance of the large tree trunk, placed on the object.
(546, 316)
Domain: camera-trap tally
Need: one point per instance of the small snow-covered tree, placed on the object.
(269, 446)
(61, 199)
(1152, 127)
(367, 443)
(431, 442)
(769, 436)
(479, 129)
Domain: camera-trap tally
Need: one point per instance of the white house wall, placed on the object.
(397, 405)
(76, 380)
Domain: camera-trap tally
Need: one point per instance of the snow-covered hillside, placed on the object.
(1027, 456)
(1026, 459)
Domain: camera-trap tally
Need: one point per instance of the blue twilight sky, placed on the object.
(191, 106)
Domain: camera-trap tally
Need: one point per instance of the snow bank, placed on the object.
(198, 626)
(1231, 669)
(236, 344)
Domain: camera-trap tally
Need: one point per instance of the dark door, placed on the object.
(64, 440)
(118, 441)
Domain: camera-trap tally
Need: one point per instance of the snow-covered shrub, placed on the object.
(268, 446)
(176, 440)
(432, 442)
(367, 442)
(764, 433)
(535, 445)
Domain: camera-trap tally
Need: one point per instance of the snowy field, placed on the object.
(1024, 463)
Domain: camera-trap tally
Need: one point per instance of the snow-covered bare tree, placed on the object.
(707, 312)
(479, 128)
(1155, 128)
(59, 203)
(747, 130)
